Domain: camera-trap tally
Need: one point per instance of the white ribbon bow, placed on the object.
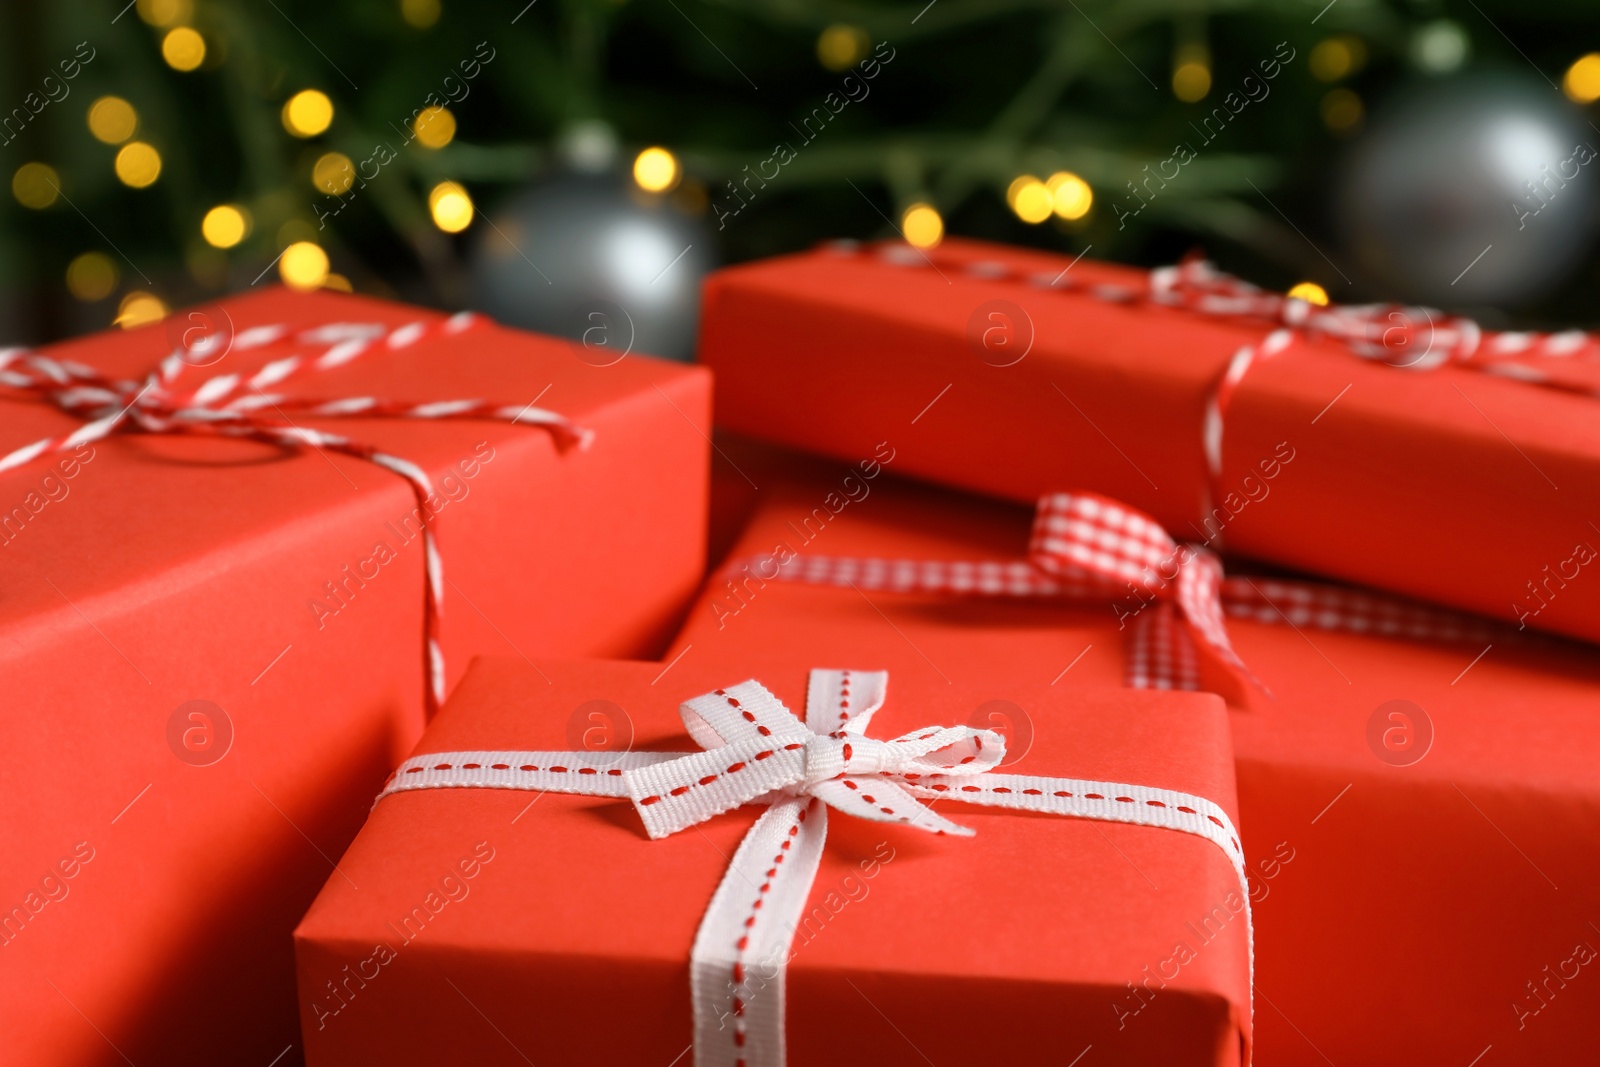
(756, 751)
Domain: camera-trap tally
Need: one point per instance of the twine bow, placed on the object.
(251, 406)
(756, 751)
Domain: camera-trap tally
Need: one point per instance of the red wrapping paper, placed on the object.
(1450, 484)
(572, 945)
(1402, 908)
(157, 893)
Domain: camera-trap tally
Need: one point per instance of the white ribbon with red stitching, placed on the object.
(756, 751)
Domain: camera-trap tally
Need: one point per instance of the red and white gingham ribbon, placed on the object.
(1089, 547)
(240, 405)
(756, 751)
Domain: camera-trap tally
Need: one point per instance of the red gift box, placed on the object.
(1034, 938)
(1419, 814)
(214, 648)
(1268, 426)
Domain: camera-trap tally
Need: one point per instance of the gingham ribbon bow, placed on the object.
(251, 406)
(1089, 547)
(756, 750)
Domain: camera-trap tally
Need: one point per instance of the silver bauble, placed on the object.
(592, 258)
(1470, 191)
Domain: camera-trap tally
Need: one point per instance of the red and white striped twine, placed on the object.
(241, 405)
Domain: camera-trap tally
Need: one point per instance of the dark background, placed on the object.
(978, 92)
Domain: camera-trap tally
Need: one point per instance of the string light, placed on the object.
(165, 12)
(333, 173)
(841, 45)
(1070, 196)
(451, 207)
(36, 185)
(656, 170)
(183, 49)
(138, 164)
(435, 127)
(922, 226)
(1342, 111)
(139, 308)
(225, 226)
(1191, 73)
(420, 13)
(1030, 199)
(1337, 57)
(91, 276)
(1311, 293)
(1581, 83)
(308, 113)
(112, 119)
(303, 266)
(339, 282)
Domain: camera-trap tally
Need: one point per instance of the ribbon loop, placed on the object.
(763, 753)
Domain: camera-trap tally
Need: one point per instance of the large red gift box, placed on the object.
(506, 925)
(1391, 459)
(213, 649)
(1427, 809)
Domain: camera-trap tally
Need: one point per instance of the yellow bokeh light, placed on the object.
(36, 185)
(451, 207)
(183, 48)
(1582, 80)
(165, 12)
(333, 173)
(91, 276)
(1071, 197)
(339, 282)
(303, 266)
(1311, 293)
(922, 226)
(140, 309)
(138, 164)
(1191, 82)
(112, 119)
(420, 13)
(1030, 199)
(308, 113)
(1342, 111)
(435, 127)
(656, 170)
(841, 45)
(225, 226)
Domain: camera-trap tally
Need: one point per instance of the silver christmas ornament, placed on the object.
(593, 258)
(1472, 191)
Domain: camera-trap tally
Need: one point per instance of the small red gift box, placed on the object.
(214, 647)
(1457, 474)
(482, 918)
(1419, 813)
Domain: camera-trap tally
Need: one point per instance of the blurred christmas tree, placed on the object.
(169, 150)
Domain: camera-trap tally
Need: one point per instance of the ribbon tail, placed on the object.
(736, 970)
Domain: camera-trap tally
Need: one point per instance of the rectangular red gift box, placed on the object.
(1409, 908)
(503, 926)
(1017, 373)
(212, 649)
